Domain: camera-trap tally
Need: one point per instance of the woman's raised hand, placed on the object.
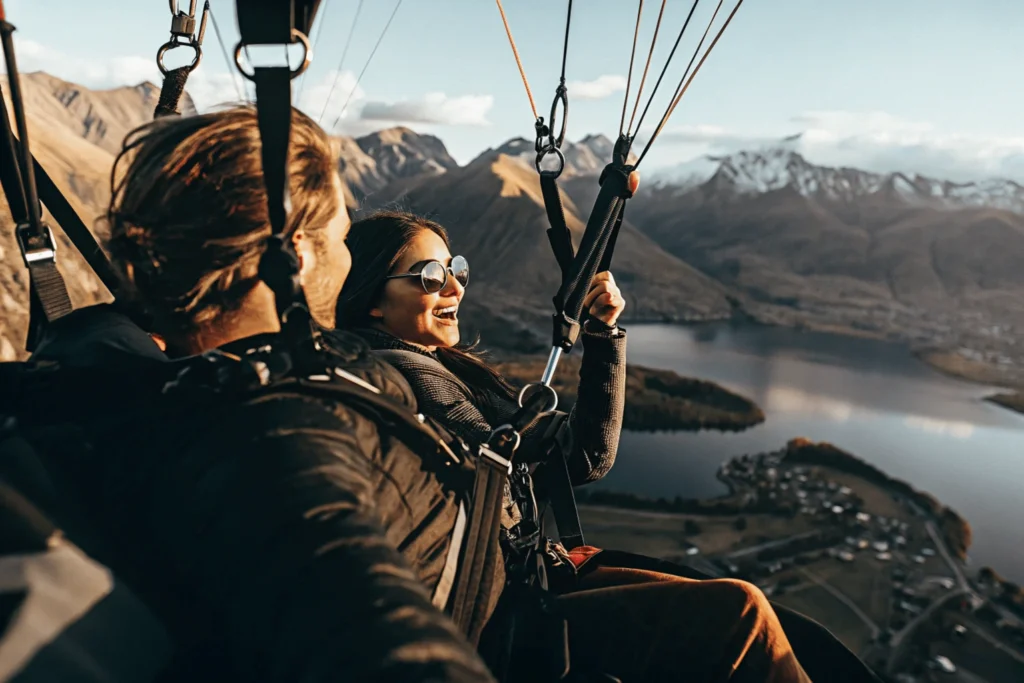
(604, 300)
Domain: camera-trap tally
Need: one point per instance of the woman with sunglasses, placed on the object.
(637, 622)
(404, 293)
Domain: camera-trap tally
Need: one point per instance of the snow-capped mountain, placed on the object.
(766, 170)
(588, 156)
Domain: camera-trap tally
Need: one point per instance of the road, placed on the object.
(770, 544)
(954, 564)
(839, 595)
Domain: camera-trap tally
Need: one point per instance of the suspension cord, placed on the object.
(647, 66)
(565, 43)
(227, 60)
(664, 69)
(629, 76)
(685, 87)
(341, 64)
(369, 59)
(519, 62)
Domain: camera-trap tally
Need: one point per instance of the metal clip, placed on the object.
(183, 33)
(36, 246)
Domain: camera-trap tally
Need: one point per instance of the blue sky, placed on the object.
(926, 86)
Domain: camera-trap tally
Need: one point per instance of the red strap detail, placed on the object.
(583, 554)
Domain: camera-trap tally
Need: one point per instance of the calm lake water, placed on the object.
(870, 398)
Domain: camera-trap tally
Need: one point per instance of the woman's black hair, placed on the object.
(377, 243)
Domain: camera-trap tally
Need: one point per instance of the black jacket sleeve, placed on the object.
(596, 418)
(273, 524)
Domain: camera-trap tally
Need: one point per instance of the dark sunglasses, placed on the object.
(434, 274)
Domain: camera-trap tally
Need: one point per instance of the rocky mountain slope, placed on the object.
(916, 259)
(923, 260)
(495, 215)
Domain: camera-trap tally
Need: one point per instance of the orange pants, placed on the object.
(644, 626)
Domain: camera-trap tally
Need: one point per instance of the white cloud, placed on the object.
(324, 99)
(876, 141)
(597, 89)
(435, 107)
(93, 73)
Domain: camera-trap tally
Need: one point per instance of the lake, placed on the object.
(871, 398)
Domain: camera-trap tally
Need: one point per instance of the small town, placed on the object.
(884, 574)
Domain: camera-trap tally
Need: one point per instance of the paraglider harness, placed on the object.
(299, 356)
(532, 635)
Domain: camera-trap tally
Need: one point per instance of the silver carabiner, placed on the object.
(183, 33)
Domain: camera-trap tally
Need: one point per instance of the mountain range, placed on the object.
(761, 233)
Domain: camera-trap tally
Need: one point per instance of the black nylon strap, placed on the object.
(50, 196)
(480, 547)
(274, 111)
(265, 22)
(71, 223)
(49, 287)
(609, 251)
(171, 92)
(596, 237)
(558, 233)
(559, 486)
(10, 169)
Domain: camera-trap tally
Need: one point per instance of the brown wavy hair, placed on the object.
(188, 212)
(377, 243)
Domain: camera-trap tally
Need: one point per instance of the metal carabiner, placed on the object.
(183, 33)
(297, 37)
(561, 95)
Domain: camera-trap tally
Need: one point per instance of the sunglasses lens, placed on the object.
(460, 266)
(433, 276)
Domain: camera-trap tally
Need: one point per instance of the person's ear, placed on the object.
(299, 244)
(159, 341)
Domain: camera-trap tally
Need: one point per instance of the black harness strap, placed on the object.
(558, 484)
(558, 234)
(47, 291)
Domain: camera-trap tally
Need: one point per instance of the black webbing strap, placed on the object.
(268, 22)
(558, 233)
(558, 484)
(273, 22)
(171, 92)
(71, 223)
(274, 110)
(609, 251)
(591, 255)
(48, 294)
(467, 602)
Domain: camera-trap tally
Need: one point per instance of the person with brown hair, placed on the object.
(268, 498)
(638, 624)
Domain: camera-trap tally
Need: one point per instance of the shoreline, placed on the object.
(656, 400)
(1011, 401)
(955, 529)
(943, 361)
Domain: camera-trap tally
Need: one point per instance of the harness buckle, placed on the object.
(496, 458)
(35, 246)
(183, 34)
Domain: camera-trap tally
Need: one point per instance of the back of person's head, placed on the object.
(377, 244)
(189, 221)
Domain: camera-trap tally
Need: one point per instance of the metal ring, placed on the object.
(297, 37)
(500, 431)
(557, 152)
(552, 398)
(167, 47)
(560, 96)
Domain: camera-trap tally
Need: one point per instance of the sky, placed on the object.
(922, 86)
